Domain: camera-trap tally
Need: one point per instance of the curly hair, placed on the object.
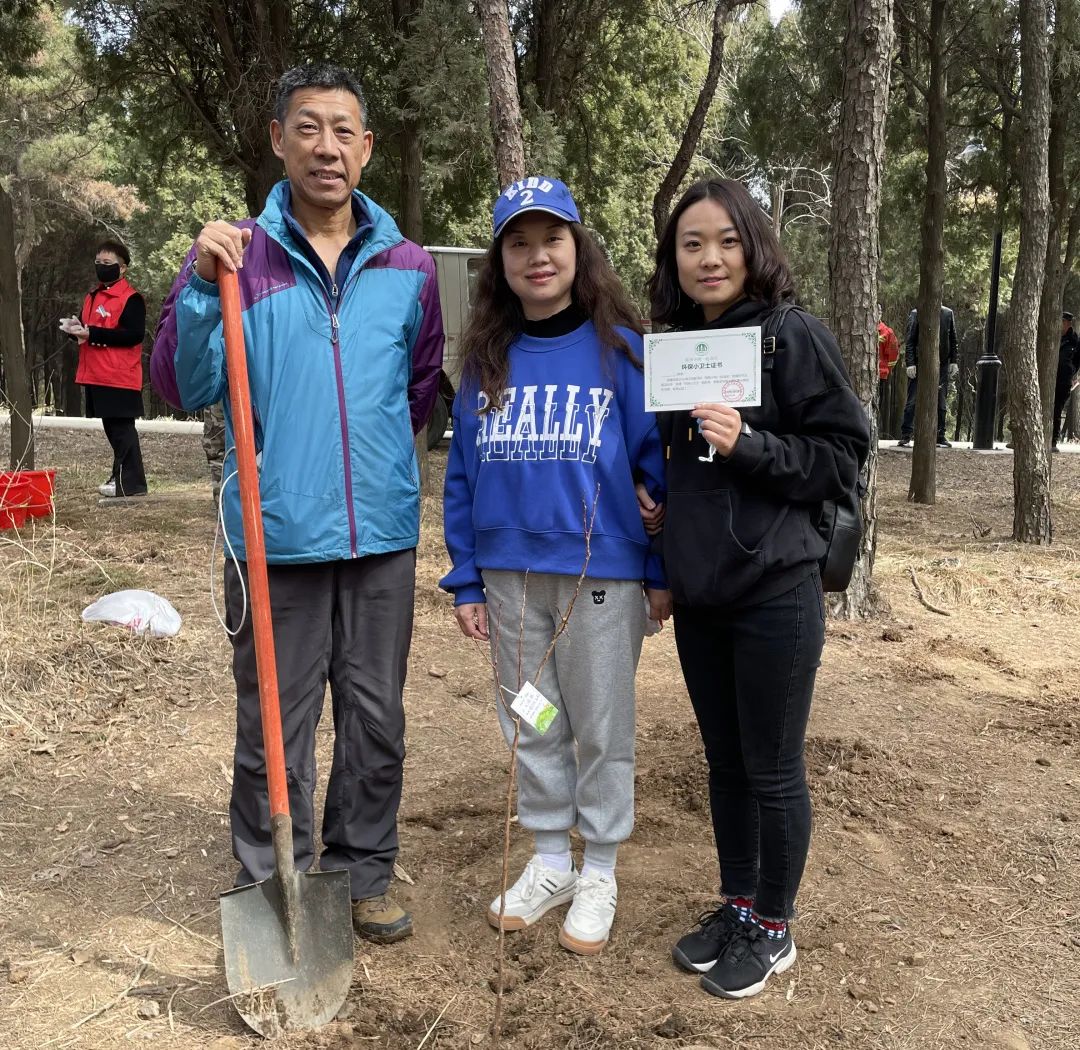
(497, 318)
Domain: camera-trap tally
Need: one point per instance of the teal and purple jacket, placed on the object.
(344, 370)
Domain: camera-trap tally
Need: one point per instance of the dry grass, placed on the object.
(939, 908)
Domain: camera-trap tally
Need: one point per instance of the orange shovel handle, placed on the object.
(251, 507)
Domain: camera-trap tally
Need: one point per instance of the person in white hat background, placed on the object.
(550, 437)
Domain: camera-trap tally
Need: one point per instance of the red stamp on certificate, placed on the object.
(733, 390)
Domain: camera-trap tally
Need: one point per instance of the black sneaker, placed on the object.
(942, 443)
(903, 443)
(749, 960)
(698, 950)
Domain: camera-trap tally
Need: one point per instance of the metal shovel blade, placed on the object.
(278, 986)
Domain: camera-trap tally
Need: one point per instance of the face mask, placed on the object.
(107, 273)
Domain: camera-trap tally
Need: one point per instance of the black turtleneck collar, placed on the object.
(562, 323)
(741, 314)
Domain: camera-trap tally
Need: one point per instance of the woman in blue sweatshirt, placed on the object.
(550, 436)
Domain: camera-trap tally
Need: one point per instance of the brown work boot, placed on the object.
(380, 920)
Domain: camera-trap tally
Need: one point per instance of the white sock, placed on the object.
(595, 871)
(558, 861)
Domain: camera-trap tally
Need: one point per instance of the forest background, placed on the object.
(891, 143)
(147, 118)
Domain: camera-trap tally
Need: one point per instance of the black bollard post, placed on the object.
(986, 385)
(989, 365)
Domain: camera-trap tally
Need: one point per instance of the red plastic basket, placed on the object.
(14, 497)
(42, 485)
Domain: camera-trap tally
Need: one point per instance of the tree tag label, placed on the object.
(534, 707)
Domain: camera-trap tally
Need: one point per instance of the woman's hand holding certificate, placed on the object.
(720, 426)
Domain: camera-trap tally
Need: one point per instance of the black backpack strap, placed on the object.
(770, 331)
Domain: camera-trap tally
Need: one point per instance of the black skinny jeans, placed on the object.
(750, 674)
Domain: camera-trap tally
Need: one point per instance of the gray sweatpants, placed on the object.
(349, 622)
(590, 679)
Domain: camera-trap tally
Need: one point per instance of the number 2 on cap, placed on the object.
(526, 197)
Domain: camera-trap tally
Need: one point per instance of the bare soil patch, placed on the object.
(941, 906)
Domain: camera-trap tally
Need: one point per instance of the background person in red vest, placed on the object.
(888, 348)
(888, 355)
(110, 332)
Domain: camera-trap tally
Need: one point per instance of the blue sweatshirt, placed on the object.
(521, 482)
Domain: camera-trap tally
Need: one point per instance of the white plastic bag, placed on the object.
(138, 610)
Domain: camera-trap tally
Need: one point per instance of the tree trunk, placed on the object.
(411, 155)
(260, 179)
(898, 391)
(923, 487)
(70, 394)
(546, 52)
(854, 249)
(1072, 238)
(411, 216)
(684, 155)
(1054, 282)
(1031, 465)
(1070, 430)
(995, 331)
(12, 349)
(255, 50)
(777, 195)
(503, 89)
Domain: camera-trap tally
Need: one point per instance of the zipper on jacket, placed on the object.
(333, 304)
(335, 342)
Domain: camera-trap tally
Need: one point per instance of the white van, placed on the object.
(458, 270)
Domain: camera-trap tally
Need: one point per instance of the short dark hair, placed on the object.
(1066, 316)
(118, 249)
(322, 75)
(768, 277)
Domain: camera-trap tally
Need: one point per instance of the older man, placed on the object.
(344, 342)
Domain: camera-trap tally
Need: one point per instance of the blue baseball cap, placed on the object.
(536, 193)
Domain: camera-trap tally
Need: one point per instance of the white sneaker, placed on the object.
(588, 922)
(536, 892)
(108, 489)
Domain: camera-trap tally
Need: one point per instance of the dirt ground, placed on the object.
(940, 908)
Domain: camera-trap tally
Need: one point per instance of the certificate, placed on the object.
(722, 366)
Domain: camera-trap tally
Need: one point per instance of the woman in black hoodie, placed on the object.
(741, 552)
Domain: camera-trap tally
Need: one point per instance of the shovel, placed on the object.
(288, 939)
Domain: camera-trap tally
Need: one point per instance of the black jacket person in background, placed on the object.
(741, 553)
(1068, 365)
(947, 368)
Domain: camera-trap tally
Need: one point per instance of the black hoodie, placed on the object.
(739, 531)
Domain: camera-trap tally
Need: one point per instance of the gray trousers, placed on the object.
(590, 679)
(349, 623)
